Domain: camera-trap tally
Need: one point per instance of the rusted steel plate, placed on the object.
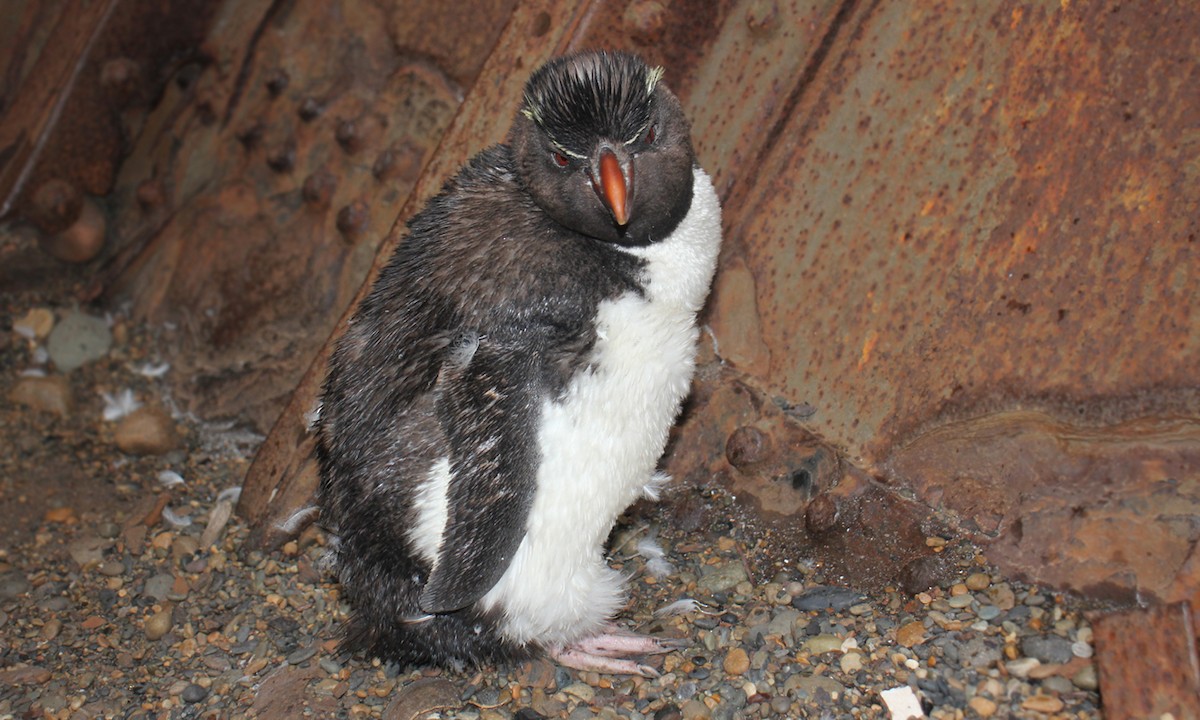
(972, 212)
(1148, 663)
(79, 80)
(252, 209)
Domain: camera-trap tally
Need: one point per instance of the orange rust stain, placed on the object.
(1017, 14)
(868, 347)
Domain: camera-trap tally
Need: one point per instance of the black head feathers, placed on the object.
(594, 94)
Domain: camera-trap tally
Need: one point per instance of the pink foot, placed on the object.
(607, 652)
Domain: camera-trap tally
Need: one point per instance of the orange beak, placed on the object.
(612, 186)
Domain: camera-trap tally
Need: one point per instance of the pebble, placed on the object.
(978, 581)
(78, 339)
(1022, 667)
(824, 597)
(1043, 704)
(35, 324)
(1085, 678)
(49, 394)
(193, 693)
(736, 661)
(1047, 648)
(821, 644)
(911, 634)
(982, 706)
(851, 662)
(959, 602)
(158, 586)
(158, 624)
(722, 577)
(13, 585)
(146, 431)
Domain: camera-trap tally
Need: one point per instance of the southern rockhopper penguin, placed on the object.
(505, 390)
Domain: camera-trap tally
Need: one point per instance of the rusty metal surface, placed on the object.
(251, 211)
(1148, 663)
(976, 211)
(77, 83)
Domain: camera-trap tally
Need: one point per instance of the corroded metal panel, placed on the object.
(252, 207)
(975, 212)
(1148, 663)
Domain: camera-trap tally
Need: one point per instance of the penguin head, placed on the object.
(603, 147)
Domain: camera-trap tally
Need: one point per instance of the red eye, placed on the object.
(650, 135)
(560, 159)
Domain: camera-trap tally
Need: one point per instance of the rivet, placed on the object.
(277, 82)
(645, 20)
(746, 446)
(352, 220)
(283, 159)
(348, 137)
(150, 194)
(762, 16)
(120, 78)
(310, 108)
(250, 137)
(821, 515)
(55, 206)
(399, 161)
(83, 240)
(318, 188)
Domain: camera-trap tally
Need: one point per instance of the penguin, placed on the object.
(505, 389)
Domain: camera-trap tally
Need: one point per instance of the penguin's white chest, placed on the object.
(601, 440)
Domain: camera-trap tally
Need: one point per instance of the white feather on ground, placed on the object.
(118, 405)
(170, 479)
(657, 564)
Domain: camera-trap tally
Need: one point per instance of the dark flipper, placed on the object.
(488, 405)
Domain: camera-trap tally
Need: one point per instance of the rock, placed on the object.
(580, 690)
(24, 675)
(911, 634)
(808, 686)
(1042, 704)
(35, 324)
(736, 661)
(825, 597)
(50, 394)
(820, 644)
(158, 586)
(958, 602)
(1047, 648)
(88, 550)
(851, 662)
(193, 693)
(78, 339)
(982, 706)
(158, 624)
(1022, 667)
(695, 710)
(61, 515)
(978, 581)
(722, 577)
(536, 674)
(147, 431)
(13, 585)
(83, 240)
(1085, 678)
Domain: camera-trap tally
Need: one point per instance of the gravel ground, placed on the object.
(115, 603)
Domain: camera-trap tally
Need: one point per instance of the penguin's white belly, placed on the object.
(599, 446)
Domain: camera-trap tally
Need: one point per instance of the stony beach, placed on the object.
(125, 591)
